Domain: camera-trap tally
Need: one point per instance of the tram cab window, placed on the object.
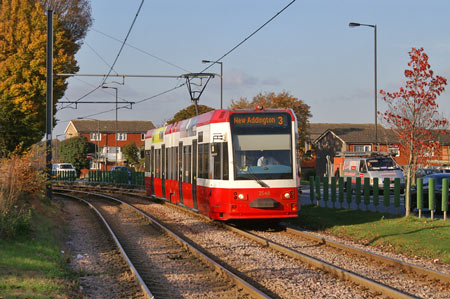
(248, 148)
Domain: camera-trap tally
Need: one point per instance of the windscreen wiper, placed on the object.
(253, 176)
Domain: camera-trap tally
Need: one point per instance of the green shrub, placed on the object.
(15, 222)
(18, 182)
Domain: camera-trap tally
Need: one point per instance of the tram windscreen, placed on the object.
(263, 151)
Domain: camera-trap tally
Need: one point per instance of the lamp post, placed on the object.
(375, 62)
(221, 78)
(115, 88)
(97, 150)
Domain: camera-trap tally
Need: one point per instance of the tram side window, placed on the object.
(203, 160)
(157, 163)
(152, 161)
(147, 161)
(175, 164)
(225, 160)
(216, 153)
(187, 163)
(166, 164)
(219, 153)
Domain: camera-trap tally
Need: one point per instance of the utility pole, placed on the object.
(49, 120)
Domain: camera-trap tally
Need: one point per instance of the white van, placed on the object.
(370, 165)
(64, 167)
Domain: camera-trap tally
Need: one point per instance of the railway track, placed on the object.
(380, 275)
(390, 277)
(163, 263)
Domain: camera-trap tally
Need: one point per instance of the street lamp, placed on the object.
(375, 61)
(115, 88)
(221, 78)
(97, 150)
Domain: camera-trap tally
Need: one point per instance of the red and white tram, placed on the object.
(212, 163)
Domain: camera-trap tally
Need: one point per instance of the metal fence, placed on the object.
(354, 192)
(65, 176)
(117, 177)
(108, 177)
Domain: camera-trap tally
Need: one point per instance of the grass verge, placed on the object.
(410, 236)
(32, 266)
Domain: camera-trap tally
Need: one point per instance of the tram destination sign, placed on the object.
(259, 120)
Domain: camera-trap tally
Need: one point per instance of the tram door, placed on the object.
(180, 171)
(163, 172)
(152, 170)
(194, 174)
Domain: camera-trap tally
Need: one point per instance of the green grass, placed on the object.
(32, 266)
(411, 236)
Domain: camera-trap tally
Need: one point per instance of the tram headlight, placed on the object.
(241, 196)
(287, 195)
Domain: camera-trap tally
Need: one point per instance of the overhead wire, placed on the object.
(117, 56)
(223, 56)
(254, 32)
(142, 51)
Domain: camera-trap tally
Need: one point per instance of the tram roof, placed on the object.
(214, 116)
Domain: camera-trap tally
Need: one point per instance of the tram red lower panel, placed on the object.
(225, 204)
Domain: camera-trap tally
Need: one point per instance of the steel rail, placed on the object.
(339, 272)
(136, 274)
(343, 274)
(236, 279)
(391, 261)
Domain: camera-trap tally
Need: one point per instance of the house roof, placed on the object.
(105, 126)
(360, 133)
(353, 133)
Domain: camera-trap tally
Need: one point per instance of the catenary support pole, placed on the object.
(49, 120)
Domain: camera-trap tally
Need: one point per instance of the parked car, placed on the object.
(421, 172)
(438, 177)
(65, 167)
(369, 165)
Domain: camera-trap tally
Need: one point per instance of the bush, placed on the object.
(15, 222)
(18, 181)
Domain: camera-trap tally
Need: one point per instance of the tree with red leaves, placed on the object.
(413, 114)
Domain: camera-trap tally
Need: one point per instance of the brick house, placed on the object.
(329, 139)
(106, 137)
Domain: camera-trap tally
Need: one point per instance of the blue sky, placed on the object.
(308, 50)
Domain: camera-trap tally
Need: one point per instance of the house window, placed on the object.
(112, 150)
(362, 148)
(142, 136)
(394, 151)
(96, 136)
(121, 136)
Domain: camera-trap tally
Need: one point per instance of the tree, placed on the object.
(188, 113)
(23, 34)
(74, 150)
(413, 113)
(281, 100)
(75, 15)
(131, 152)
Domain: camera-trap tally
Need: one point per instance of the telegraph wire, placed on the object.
(99, 56)
(124, 41)
(178, 86)
(254, 32)
(117, 57)
(142, 51)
